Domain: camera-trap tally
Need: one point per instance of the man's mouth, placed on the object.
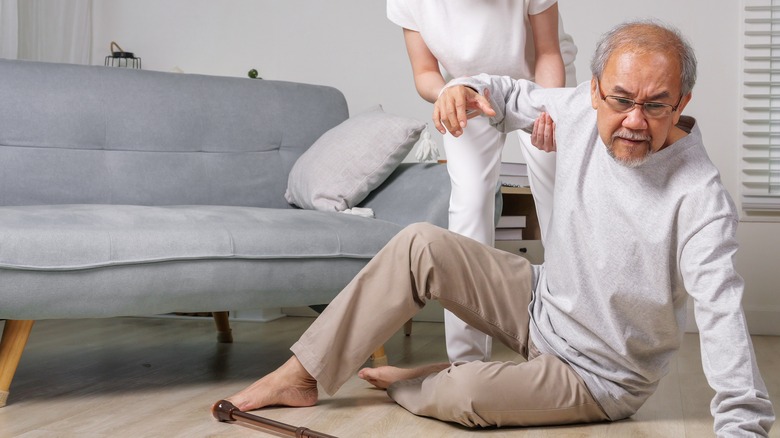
(631, 137)
(631, 146)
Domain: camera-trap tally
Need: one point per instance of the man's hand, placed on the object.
(457, 104)
(543, 135)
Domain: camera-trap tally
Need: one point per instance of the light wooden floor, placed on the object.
(139, 377)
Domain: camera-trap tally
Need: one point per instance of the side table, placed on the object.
(518, 201)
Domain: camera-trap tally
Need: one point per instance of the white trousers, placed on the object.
(473, 161)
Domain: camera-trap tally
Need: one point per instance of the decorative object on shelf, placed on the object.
(514, 174)
(253, 74)
(120, 58)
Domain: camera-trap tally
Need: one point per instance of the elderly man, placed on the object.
(640, 222)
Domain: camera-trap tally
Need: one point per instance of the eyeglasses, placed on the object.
(654, 110)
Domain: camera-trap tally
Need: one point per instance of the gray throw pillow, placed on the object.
(350, 160)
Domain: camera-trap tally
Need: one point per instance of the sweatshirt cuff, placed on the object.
(466, 81)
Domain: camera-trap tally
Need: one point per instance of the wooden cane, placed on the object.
(223, 410)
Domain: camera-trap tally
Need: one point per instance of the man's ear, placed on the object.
(594, 93)
(681, 107)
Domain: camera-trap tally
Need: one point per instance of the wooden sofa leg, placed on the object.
(15, 335)
(379, 358)
(224, 333)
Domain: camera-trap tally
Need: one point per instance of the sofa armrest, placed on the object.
(414, 192)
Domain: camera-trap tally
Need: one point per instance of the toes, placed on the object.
(367, 374)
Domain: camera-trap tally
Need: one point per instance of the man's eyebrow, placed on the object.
(662, 95)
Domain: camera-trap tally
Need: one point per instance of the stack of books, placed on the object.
(510, 228)
(514, 174)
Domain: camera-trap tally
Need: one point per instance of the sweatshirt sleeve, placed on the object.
(514, 100)
(741, 406)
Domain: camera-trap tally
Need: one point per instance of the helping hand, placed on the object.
(543, 135)
(457, 104)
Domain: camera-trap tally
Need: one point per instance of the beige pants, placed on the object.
(487, 288)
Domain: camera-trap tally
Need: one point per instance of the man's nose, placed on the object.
(635, 119)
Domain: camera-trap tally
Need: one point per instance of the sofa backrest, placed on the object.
(73, 134)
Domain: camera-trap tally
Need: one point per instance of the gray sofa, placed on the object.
(127, 192)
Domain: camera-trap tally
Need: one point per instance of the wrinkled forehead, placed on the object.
(639, 67)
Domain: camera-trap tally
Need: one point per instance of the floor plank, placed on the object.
(157, 377)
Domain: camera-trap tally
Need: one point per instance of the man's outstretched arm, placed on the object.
(511, 104)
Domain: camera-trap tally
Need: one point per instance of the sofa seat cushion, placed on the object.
(75, 237)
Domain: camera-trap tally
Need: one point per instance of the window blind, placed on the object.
(760, 164)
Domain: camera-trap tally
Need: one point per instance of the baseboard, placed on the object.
(763, 321)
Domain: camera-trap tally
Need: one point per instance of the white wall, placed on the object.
(352, 46)
(346, 44)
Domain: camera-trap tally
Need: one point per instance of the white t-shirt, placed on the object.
(469, 37)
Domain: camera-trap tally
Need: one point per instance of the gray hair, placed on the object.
(646, 36)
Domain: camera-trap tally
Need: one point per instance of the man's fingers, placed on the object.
(449, 104)
(484, 103)
(440, 121)
(456, 110)
(455, 106)
(437, 119)
(454, 130)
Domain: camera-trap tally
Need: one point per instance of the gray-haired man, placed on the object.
(640, 222)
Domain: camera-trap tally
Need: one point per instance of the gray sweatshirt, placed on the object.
(624, 250)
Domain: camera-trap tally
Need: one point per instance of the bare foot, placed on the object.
(382, 377)
(289, 385)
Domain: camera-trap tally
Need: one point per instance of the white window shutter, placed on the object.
(760, 164)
